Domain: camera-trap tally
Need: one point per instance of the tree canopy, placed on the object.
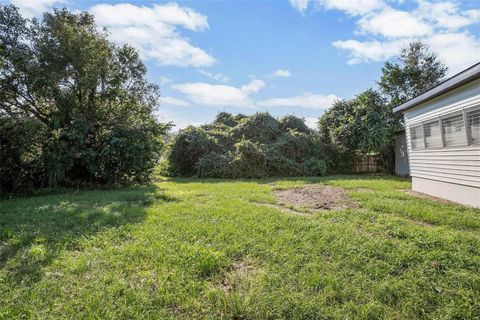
(87, 98)
(417, 70)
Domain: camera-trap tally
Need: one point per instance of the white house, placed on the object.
(442, 128)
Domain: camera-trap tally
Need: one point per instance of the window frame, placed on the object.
(437, 120)
(419, 139)
(456, 113)
(467, 110)
(440, 118)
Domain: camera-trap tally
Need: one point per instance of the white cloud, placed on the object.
(311, 122)
(170, 101)
(281, 73)
(253, 87)
(300, 5)
(34, 8)
(446, 15)
(385, 30)
(353, 7)
(215, 76)
(182, 123)
(216, 95)
(125, 14)
(393, 24)
(307, 100)
(154, 31)
(458, 50)
(365, 51)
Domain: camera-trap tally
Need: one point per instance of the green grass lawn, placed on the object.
(206, 249)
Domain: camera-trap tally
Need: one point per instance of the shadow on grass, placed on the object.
(33, 231)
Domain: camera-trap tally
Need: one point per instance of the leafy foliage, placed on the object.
(366, 123)
(260, 127)
(81, 101)
(187, 148)
(417, 70)
(21, 154)
(295, 123)
(361, 125)
(246, 147)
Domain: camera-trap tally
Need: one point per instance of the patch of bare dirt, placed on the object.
(425, 196)
(315, 197)
(238, 274)
(243, 268)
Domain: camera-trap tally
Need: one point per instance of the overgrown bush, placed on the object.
(292, 144)
(226, 119)
(294, 123)
(246, 147)
(260, 127)
(213, 165)
(186, 149)
(315, 167)
(250, 160)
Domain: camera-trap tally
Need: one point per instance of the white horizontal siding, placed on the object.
(457, 165)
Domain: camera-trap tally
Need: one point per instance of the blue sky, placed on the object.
(285, 57)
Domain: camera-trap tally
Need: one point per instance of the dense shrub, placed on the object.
(226, 119)
(250, 160)
(294, 123)
(292, 144)
(282, 166)
(260, 127)
(21, 154)
(315, 167)
(213, 165)
(130, 155)
(186, 149)
(246, 147)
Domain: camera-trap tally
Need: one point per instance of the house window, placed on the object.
(454, 131)
(473, 127)
(433, 137)
(416, 137)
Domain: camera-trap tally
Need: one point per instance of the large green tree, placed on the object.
(90, 96)
(417, 70)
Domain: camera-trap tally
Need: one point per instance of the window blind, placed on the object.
(432, 134)
(473, 119)
(416, 137)
(454, 131)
